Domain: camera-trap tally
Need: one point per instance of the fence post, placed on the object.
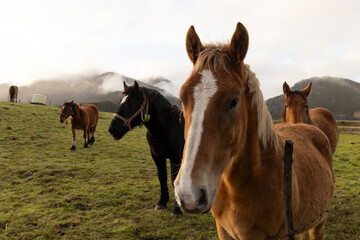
(287, 189)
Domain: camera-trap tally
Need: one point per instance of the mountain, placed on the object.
(341, 96)
(102, 90)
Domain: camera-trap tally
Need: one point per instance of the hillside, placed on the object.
(103, 90)
(339, 95)
(109, 190)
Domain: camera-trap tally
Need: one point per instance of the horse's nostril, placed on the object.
(203, 199)
(61, 120)
(182, 203)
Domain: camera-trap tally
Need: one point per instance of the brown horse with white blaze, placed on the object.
(296, 110)
(83, 117)
(233, 154)
(13, 92)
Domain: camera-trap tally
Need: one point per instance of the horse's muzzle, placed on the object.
(61, 120)
(201, 205)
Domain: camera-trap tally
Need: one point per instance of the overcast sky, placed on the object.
(290, 40)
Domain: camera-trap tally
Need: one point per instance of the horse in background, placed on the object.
(165, 132)
(13, 92)
(296, 110)
(83, 117)
(233, 154)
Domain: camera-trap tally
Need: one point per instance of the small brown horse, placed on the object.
(13, 92)
(296, 110)
(83, 117)
(233, 154)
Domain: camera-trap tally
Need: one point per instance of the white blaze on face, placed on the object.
(124, 99)
(203, 92)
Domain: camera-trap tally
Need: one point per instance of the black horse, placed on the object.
(165, 135)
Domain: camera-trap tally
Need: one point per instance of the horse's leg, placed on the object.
(92, 139)
(86, 137)
(318, 232)
(222, 234)
(73, 147)
(162, 175)
(175, 166)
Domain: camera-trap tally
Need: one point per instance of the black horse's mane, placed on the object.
(153, 95)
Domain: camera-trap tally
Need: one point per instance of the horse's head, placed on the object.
(296, 108)
(66, 110)
(129, 112)
(215, 101)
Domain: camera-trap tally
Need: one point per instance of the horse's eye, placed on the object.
(306, 107)
(286, 106)
(233, 103)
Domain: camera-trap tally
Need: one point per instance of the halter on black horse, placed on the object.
(145, 117)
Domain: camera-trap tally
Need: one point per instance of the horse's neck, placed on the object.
(156, 112)
(77, 115)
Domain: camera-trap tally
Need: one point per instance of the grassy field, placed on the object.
(109, 190)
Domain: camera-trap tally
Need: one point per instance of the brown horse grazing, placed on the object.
(83, 117)
(233, 154)
(296, 110)
(13, 92)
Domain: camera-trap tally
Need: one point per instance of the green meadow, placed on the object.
(109, 190)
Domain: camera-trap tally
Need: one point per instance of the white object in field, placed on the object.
(39, 98)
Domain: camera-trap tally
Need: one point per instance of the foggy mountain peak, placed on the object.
(86, 88)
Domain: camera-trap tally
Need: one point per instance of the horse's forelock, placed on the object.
(213, 57)
(301, 94)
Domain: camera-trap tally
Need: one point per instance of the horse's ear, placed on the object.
(239, 44)
(136, 87)
(193, 44)
(71, 102)
(306, 91)
(286, 89)
(125, 86)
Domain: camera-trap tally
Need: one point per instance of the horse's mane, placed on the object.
(153, 95)
(266, 130)
(214, 57)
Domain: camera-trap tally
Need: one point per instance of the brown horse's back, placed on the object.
(92, 113)
(312, 166)
(325, 120)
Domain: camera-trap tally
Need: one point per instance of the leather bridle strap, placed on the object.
(127, 122)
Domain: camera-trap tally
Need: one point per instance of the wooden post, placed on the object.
(287, 189)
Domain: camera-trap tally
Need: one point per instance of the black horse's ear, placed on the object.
(136, 88)
(73, 106)
(306, 91)
(286, 89)
(125, 86)
(193, 44)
